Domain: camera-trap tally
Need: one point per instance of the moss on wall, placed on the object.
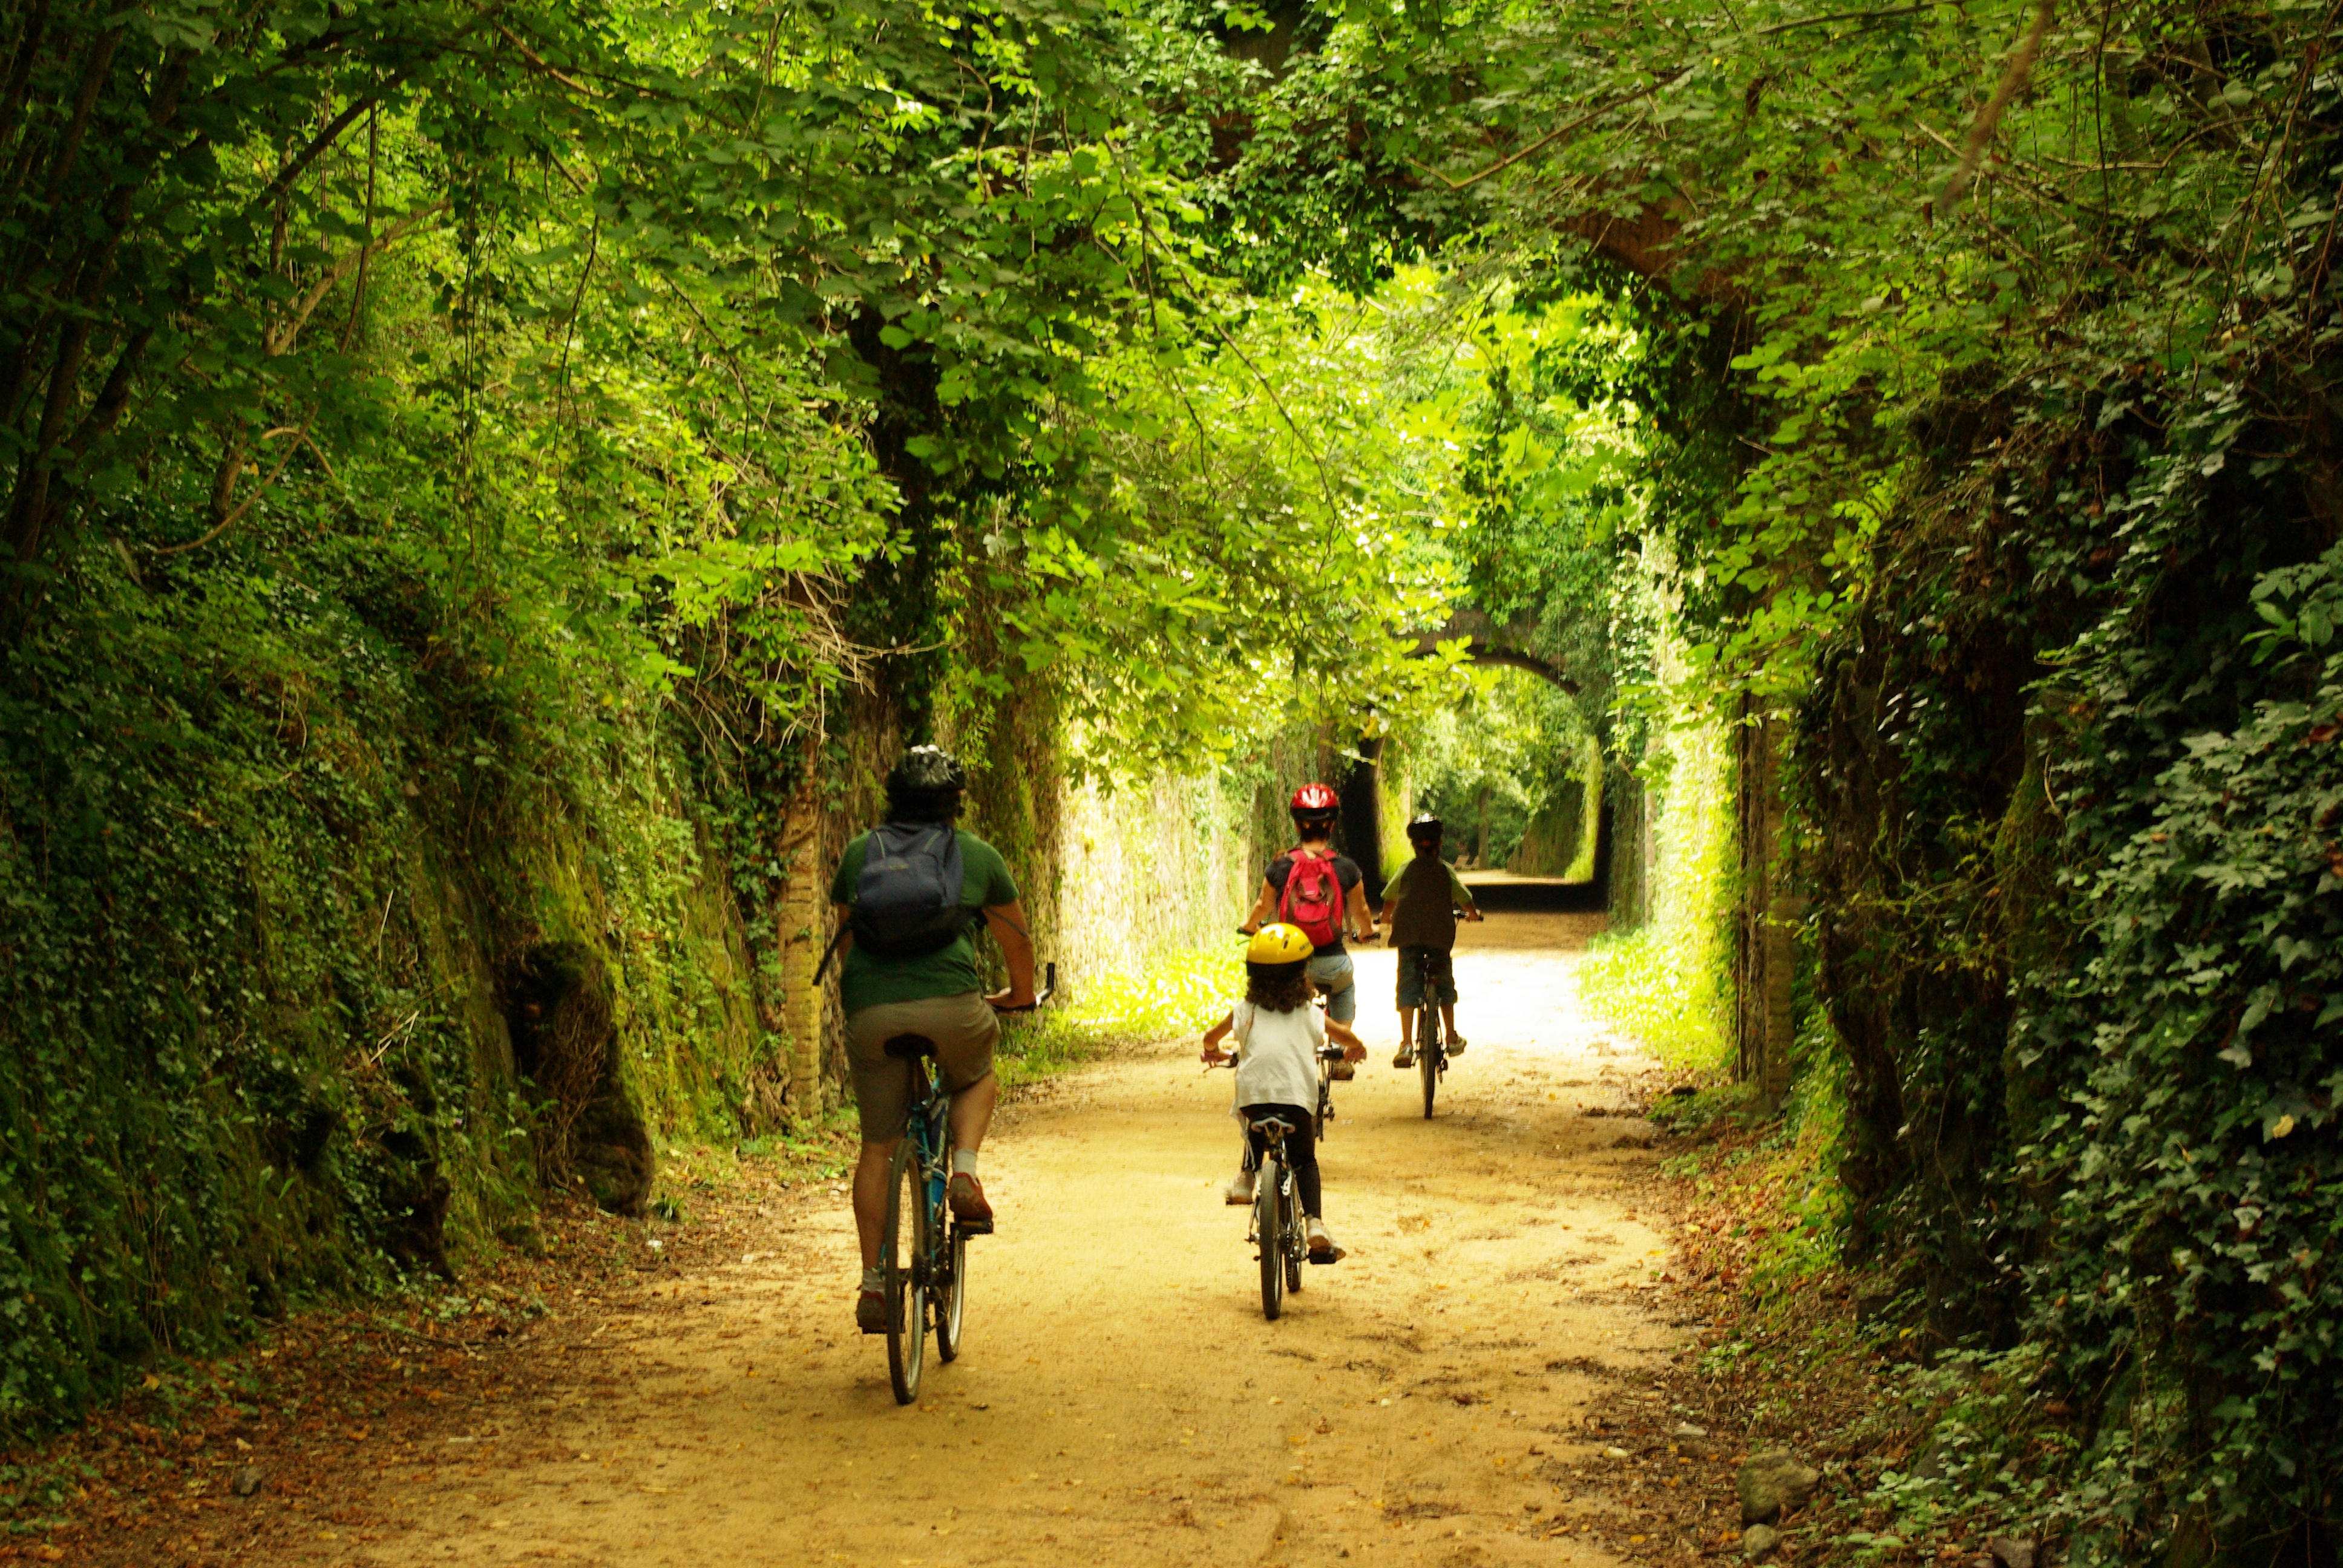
(273, 879)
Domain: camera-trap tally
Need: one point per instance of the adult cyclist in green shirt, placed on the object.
(1419, 907)
(936, 994)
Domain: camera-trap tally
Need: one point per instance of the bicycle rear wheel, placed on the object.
(1427, 1061)
(951, 1292)
(904, 1252)
(1269, 1224)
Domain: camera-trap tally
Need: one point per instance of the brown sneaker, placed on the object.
(870, 1312)
(965, 1193)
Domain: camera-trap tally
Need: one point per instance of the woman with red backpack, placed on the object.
(1323, 893)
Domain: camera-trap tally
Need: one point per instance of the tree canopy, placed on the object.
(1952, 381)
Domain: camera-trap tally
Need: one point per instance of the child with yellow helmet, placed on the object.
(1278, 1035)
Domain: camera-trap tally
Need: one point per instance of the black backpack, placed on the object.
(907, 901)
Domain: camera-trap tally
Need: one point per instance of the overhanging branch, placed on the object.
(1490, 645)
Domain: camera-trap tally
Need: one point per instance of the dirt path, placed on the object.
(1121, 1399)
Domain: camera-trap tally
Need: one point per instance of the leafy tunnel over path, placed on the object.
(489, 489)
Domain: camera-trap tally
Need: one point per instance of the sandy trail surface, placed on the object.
(1121, 1398)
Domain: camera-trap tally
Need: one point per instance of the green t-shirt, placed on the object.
(1463, 898)
(870, 981)
(1422, 919)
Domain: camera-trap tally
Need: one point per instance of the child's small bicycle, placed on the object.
(1431, 1048)
(1276, 1219)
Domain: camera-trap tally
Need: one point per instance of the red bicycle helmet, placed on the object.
(1314, 800)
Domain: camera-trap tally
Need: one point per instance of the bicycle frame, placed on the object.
(932, 1271)
(930, 1280)
(1327, 1057)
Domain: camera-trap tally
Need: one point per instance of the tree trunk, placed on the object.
(803, 919)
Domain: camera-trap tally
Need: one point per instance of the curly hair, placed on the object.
(1278, 988)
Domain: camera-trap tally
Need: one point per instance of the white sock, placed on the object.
(963, 1161)
(874, 1279)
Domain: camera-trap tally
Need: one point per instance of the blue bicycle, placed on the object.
(924, 1249)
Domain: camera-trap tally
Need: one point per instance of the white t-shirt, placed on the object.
(1277, 1056)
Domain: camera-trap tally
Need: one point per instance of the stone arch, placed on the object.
(1494, 643)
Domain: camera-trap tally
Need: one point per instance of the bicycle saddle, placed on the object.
(1269, 1124)
(904, 1047)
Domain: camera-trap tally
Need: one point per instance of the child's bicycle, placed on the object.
(1276, 1219)
(1278, 1228)
(1431, 1046)
(924, 1249)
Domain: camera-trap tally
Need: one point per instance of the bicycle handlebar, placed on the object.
(1049, 988)
(1370, 937)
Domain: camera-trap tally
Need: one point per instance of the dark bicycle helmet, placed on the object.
(927, 768)
(925, 786)
(1427, 827)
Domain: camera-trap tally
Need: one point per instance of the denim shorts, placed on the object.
(1332, 974)
(1444, 976)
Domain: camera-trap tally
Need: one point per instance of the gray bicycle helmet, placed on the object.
(925, 786)
(927, 770)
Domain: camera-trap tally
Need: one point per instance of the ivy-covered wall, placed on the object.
(1151, 868)
(2078, 927)
(321, 939)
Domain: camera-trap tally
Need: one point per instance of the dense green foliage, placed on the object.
(2198, 1162)
(1997, 381)
(622, 421)
(269, 869)
(472, 470)
(1668, 981)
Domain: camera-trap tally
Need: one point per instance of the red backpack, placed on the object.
(1312, 899)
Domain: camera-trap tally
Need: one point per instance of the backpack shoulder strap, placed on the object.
(845, 930)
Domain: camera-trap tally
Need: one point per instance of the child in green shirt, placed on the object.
(1419, 906)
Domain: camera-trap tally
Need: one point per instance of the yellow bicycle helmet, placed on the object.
(1278, 944)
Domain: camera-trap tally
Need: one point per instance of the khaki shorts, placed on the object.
(964, 1028)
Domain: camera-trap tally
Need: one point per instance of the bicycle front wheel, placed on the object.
(951, 1292)
(1269, 1224)
(905, 1247)
(1326, 1099)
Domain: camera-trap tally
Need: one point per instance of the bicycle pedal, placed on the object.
(1325, 1257)
(973, 1227)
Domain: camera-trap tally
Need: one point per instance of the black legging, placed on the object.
(1301, 1152)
